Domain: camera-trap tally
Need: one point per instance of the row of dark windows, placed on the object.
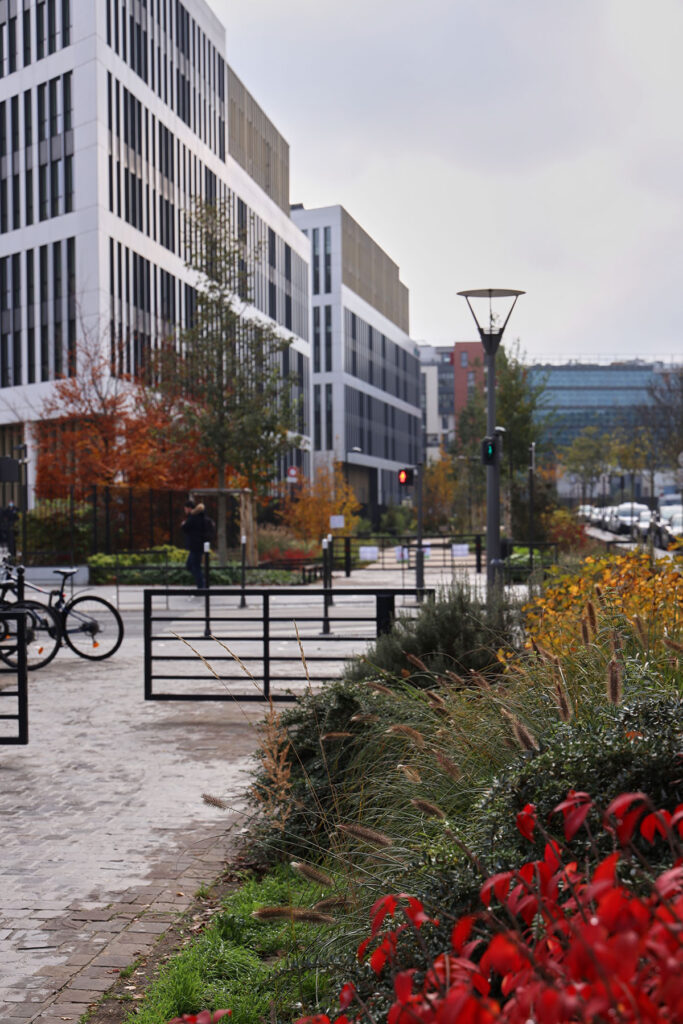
(324, 278)
(372, 357)
(146, 307)
(323, 419)
(379, 428)
(164, 46)
(49, 150)
(322, 339)
(51, 32)
(38, 297)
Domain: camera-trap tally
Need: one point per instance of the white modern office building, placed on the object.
(114, 116)
(365, 367)
(438, 399)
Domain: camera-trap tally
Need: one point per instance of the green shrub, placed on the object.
(165, 566)
(451, 633)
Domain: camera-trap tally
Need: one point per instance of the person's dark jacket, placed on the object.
(194, 528)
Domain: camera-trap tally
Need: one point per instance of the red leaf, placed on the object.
(360, 952)
(526, 821)
(498, 885)
(573, 799)
(503, 955)
(415, 913)
(551, 855)
(658, 821)
(461, 932)
(670, 882)
(346, 995)
(383, 906)
(621, 804)
(574, 820)
(403, 985)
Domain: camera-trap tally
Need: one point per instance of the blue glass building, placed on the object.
(579, 395)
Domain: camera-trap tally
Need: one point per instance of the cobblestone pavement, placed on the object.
(104, 837)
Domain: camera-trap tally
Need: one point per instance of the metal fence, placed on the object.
(14, 692)
(270, 646)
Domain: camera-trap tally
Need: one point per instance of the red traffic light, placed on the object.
(405, 477)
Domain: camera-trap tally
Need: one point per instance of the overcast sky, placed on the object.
(531, 144)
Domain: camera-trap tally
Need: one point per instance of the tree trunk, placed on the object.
(222, 515)
(248, 526)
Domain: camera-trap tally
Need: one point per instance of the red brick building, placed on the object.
(469, 373)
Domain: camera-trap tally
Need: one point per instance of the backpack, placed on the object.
(209, 530)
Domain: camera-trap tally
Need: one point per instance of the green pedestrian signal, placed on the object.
(488, 451)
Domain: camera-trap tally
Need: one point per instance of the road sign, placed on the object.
(293, 474)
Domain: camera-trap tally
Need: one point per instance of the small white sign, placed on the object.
(368, 553)
(460, 550)
(426, 551)
(207, 546)
(336, 522)
(402, 554)
(293, 473)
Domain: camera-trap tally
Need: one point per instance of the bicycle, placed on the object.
(88, 624)
(42, 630)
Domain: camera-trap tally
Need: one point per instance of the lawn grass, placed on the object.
(257, 968)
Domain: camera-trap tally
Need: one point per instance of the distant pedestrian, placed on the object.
(8, 519)
(194, 530)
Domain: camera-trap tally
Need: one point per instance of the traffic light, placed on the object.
(405, 477)
(488, 451)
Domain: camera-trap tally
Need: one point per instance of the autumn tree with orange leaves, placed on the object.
(307, 512)
(100, 429)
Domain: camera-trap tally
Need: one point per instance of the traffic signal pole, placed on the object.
(420, 555)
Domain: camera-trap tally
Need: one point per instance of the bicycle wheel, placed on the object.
(92, 627)
(43, 636)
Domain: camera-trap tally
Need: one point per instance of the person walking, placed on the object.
(194, 529)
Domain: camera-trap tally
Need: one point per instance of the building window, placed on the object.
(27, 38)
(328, 338)
(463, 359)
(315, 254)
(328, 260)
(316, 417)
(40, 30)
(328, 417)
(316, 339)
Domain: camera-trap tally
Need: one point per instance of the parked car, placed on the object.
(584, 512)
(646, 521)
(624, 516)
(673, 529)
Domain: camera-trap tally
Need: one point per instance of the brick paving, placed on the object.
(104, 838)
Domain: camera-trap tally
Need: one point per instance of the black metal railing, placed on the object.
(17, 692)
(226, 643)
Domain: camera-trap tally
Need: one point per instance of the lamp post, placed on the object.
(491, 337)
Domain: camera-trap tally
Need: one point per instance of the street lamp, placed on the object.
(491, 337)
(355, 450)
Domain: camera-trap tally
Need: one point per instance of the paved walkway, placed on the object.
(104, 838)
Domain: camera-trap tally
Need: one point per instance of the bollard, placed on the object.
(326, 568)
(207, 599)
(347, 556)
(330, 564)
(385, 612)
(243, 600)
(477, 551)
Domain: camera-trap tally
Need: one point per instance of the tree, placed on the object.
(665, 415)
(439, 494)
(229, 374)
(519, 409)
(586, 459)
(100, 429)
(307, 511)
